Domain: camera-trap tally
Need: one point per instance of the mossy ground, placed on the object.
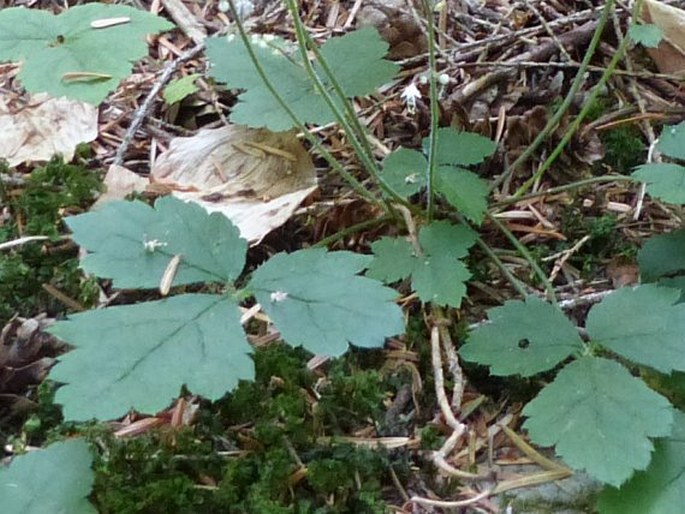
(268, 447)
(36, 208)
(274, 445)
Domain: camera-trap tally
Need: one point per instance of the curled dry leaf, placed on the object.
(45, 127)
(255, 177)
(669, 56)
(27, 352)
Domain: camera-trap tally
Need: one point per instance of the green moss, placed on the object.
(431, 438)
(259, 450)
(37, 209)
(606, 239)
(624, 149)
(351, 398)
(155, 473)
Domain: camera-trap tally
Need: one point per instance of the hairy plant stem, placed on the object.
(568, 100)
(348, 120)
(434, 108)
(560, 189)
(588, 104)
(314, 141)
(549, 289)
(305, 43)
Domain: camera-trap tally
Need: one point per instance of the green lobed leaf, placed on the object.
(116, 236)
(180, 88)
(443, 237)
(660, 489)
(600, 418)
(665, 181)
(440, 279)
(523, 338)
(647, 34)
(317, 300)
(53, 480)
(643, 324)
(672, 141)
(394, 259)
(139, 356)
(674, 283)
(355, 58)
(662, 255)
(232, 65)
(51, 46)
(464, 191)
(461, 148)
(405, 171)
(438, 275)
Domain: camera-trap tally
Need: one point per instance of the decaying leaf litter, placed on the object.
(505, 64)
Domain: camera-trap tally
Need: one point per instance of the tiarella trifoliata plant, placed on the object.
(597, 413)
(139, 356)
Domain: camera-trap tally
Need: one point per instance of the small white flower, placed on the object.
(278, 296)
(245, 8)
(410, 95)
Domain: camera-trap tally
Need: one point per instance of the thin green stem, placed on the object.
(526, 255)
(568, 100)
(560, 189)
(350, 124)
(573, 127)
(352, 118)
(515, 282)
(434, 110)
(332, 161)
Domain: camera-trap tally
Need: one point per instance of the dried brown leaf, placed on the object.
(255, 177)
(44, 128)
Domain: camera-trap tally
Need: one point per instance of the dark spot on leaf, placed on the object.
(59, 40)
(524, 343)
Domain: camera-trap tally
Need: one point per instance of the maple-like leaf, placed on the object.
(318, 300)
(139, 356)
(644, 324)
(437, 274)
(133, 243)
(53, 480)
(523, 338)
(69, 55)
(600, 418)
(355, 59)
